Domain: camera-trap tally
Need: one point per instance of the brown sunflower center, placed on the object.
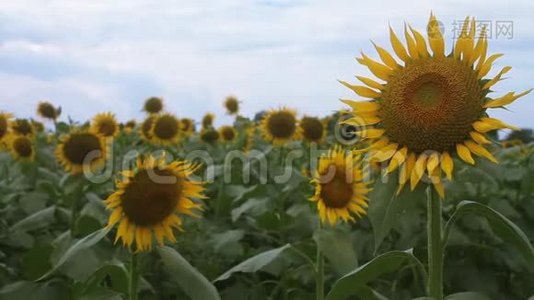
(312, 128)
(431, 104)
(153, 105)
(107, 127)
(47, 110)
(166, 127)
(23, 147)
(228, 133)
(337, 192)
(209, 136)
(281, 124)
(22, 127)
(79, 146)
(151, 197)
(232, 105)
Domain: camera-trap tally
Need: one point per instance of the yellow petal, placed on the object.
(412, 47)
(479, 138)
(362, 106)
(468, 47)
(480, 151)
(386, 57)
(447, 164)
(460, 42)
(361, 90)
(418, 170)
(438, 186)
(483, 67)
(464, 154)
(406, 171)
(398, 47)
(433, 162)
(435, 37)
(481, 47)
(398, 159)
(496, 79)
(370, 133)
(370, 83)
(379, 70)
(488, 124)
(362, 120)
(420, 42)
(506, 99)
(385, 153)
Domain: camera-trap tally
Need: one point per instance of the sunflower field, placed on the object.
(405, 193)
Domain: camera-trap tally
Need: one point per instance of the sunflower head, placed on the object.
(232, 105)
(48, 111)
(165, 130)
(146, 128)
(340, 191)
(187, 126)
(4, 124)
(426, 105)
(130, 124)
(21, 147)
(209, 135)
(81, 149)
(22, 127)
(105, 124)
(38, 126)
(312, 129)
(207, 120)
(151, 200)
(153, 105)
(280, 126)
(227, 133)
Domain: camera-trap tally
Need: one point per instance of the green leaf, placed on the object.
(501, 226)
(389, 262)
(35, 291)
(78, 247)
(338, 249)
(467, 296)
(37, 220)
(255, 263)
(194, 284)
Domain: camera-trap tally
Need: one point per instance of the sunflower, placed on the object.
(150, 201)
(129, 126)
(209, 135)
(280, 126)
(313, 129)
(187, 126)
(146, 128)
(430, 106)
(4, 125)
(232, 105)
(227, 133)
(153, 105)
(340, 192)
(21, 147)
(105, 124)
(207, 120)
(38, 126)
(165, 130)
(75, 149)
(22, 127)
(48, 111)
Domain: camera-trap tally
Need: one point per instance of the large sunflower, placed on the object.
(81, 149)
(430, 105)
(280, 126)
(165, 130)
(149, 200)
(48, 111)
(313, 129)
(105, 124)
(21, 147)
(340, 192)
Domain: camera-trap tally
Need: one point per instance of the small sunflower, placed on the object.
(21, 147)
(209, 135)
(150, 200)
(146, 128)
(165, 130)
(207, 120)
(105, 124)
(4, 125)
(228, 133)
(79, 149)
(129, 126)
(340, 192)
(187, 126)
(232, 105)
(313, 129)
(430, 105)
(22, 127)
(280, 126)
(153, 105)
(38, 126)
(48, 111)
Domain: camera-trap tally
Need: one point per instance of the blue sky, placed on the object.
(97, 56)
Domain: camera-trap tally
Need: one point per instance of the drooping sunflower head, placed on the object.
(105, 124)
(187, 126)
(146, 128)
(4, 124)
(165, 130)
(207, 120)
(313, 130)
(228, 133)
(38, 126)
(429, 105)
(280, 126)
(209, 135)
(153, 105)
(21, 147)
(48, 111)
(129, 126)
(151, 200)
(81, 149)
(340, 190)
(232, 105)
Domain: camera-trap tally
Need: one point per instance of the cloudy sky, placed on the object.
(96, 56)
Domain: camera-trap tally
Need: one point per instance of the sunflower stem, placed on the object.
(319, 276)
(134, 277)
(75, 203)
(435, 247)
